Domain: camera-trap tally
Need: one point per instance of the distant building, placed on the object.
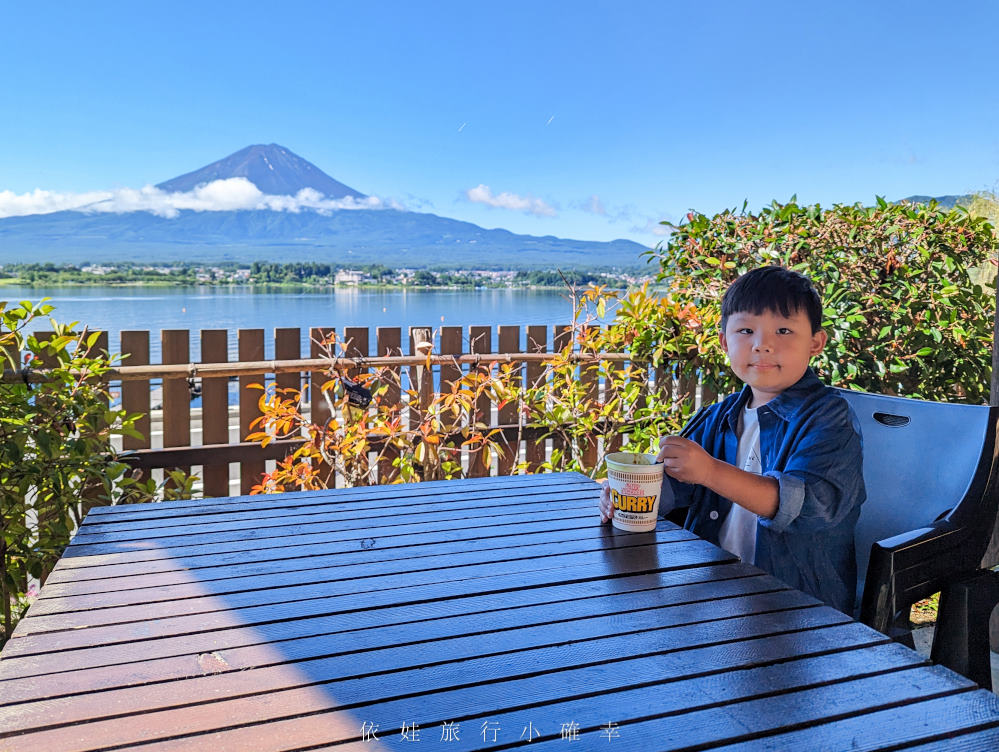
(348, 277)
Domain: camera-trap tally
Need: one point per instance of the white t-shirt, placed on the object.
(738, 531)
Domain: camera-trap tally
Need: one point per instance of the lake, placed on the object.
(115, 309)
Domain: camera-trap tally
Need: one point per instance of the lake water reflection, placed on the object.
(124, 308)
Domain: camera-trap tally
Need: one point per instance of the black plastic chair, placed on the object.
(932, 482)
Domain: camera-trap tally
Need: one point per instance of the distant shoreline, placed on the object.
(304, 276)
(265, 286)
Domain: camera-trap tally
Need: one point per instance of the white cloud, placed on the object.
(219, 195)
(654, 227)
(482, 194)
(615, 214)
(412, 202)
(39, 201)
(595, 206)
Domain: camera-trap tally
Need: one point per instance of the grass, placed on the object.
(924, 612)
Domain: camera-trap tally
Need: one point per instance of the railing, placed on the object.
(198, 411)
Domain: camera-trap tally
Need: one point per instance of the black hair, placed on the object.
(775, 289)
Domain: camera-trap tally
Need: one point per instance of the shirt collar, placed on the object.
(784, 405)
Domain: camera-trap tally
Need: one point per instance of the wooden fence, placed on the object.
(209, 438)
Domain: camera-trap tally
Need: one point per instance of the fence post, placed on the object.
(537, 342)
(176, 403)
(251, 347)
(561, 340)
(389, 342)
(135, 394)
(91, 494)
(288, 346)
(215, 410)
(615, 370)
(589, 377)
(687, 385)
(421, 379)
(480, 343)
(450, 373)
(509, 342)
(355, 345)
(319, 411)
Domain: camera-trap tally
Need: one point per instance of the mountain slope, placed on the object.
(388, 236)
(946, 202)
(272, 168)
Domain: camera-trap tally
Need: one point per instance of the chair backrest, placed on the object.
(919, 461)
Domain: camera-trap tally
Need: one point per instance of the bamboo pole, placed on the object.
(251, 368)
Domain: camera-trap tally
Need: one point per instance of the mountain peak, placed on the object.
(274, 169)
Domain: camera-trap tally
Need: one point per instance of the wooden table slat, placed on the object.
(898, 728)
(291, 621)
(221, 580)
(363, 615)
(636, 682)
(960, 740)
(374, 509)
(404, 494)
(681, 648)
(583, 569)
(305, 498)
(694, 722)
(293, 540)
(428, 515)
(469, 569)
(291, 557)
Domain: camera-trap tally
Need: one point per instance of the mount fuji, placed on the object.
(273, 169)
(285, 209)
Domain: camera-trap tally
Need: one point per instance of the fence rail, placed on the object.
(198, 406)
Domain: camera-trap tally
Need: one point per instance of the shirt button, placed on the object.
(713, 515)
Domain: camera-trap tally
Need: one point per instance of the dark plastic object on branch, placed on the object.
(357, 395)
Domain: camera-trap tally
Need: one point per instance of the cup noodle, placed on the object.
(636, 482)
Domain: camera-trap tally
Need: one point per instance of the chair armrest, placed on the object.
(908, 567)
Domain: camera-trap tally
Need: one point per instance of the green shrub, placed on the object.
(906, 307)
(56, 458)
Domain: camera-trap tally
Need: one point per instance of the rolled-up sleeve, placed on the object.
(821, 481)
(790, 500)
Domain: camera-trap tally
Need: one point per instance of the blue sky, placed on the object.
(592, 120)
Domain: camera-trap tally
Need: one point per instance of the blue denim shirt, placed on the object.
(810, 442)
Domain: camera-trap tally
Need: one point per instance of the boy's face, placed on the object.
(770, 352)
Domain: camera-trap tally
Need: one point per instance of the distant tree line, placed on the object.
(60, 274)
(309, 273)
(559, 279)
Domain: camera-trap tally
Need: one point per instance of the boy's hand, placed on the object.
(685, 460)
(606, 507)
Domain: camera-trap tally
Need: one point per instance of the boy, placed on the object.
(773, 474)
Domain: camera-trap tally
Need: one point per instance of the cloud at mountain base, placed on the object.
(220, 195)
(483, 194)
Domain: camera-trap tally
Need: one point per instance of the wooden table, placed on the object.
(455, 615)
